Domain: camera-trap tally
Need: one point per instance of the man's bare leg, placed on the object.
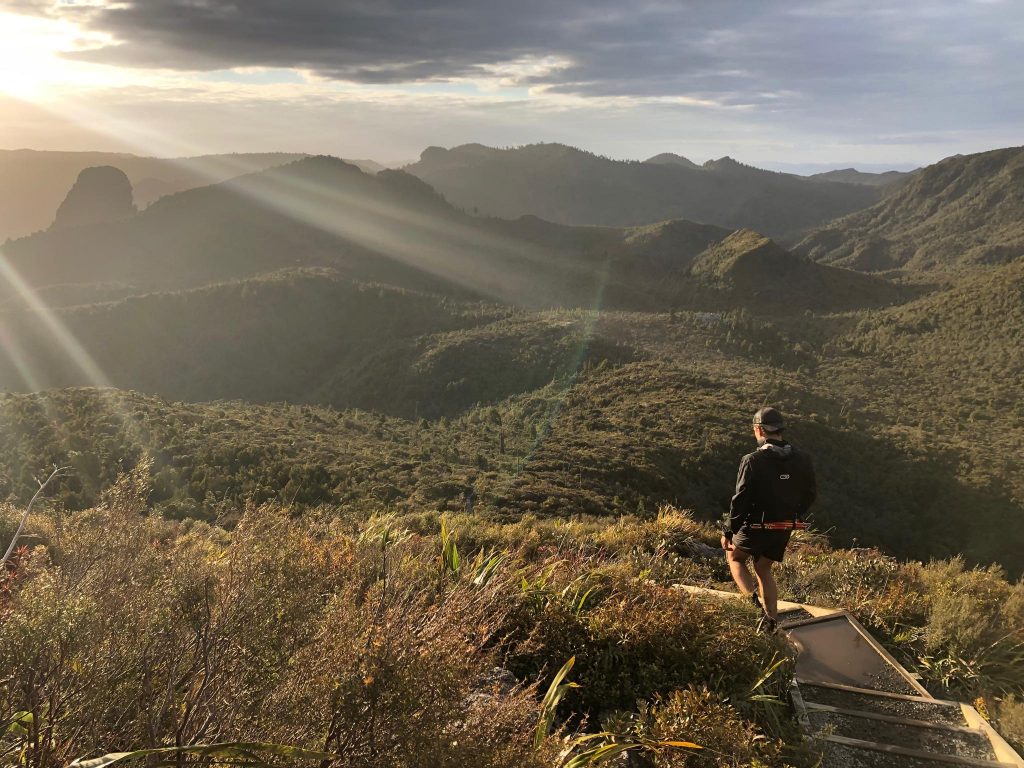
(769, 591)
(737, 560)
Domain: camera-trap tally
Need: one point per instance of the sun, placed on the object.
(31, 66)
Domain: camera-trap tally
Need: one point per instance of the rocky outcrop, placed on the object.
(99, 195)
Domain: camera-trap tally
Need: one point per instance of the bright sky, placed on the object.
(790, 84)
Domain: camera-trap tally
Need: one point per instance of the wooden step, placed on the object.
(793, 615)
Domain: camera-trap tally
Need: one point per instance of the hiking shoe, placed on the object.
(756, 601)
(767, 625)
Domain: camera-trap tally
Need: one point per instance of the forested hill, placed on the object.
(615, 438)
(964, 211)
(391, 228)
(552, 413)
(570, 186)
(950, 365)
(747, 269)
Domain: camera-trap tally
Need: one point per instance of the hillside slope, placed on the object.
(962, 211)
(305, 337)
(277, 337)
(569, 186)
(950, 362)
(613, 439)
(748, 269)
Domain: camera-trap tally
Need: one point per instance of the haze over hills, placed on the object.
(33, 183)
(570, 186)
(335, 275)
(391, 228)
(962, 211)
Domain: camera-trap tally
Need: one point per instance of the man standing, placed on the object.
(775, 487)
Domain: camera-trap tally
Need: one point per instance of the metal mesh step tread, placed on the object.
(837, 649)
(959, 742)
(885, 718)
(844, 752)
(891, 705)
(875, 691)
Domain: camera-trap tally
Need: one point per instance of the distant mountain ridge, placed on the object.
(390, 228)
(853, 176)
(33, 183)
(668, 158)
(569, 186)
(965, 210)
(318, 261)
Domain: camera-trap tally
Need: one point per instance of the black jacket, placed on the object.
(775, 483)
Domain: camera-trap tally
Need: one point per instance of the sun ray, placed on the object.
(59, 332)
(13, 351)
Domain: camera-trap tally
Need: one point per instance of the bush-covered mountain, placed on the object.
(277, 337)
(570, 186)
(306, 337)
(669, 158)
(331, 368)
(749, 270)
(610, 437)
(946, 368)
(965, 210)
(390, 228)
(853, 176)
(550, 413)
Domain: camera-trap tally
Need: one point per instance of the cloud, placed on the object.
(727, 51)
(784, 77)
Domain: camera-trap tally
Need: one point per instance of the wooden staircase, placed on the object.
(864, 710)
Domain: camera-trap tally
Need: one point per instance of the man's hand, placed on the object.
(726, 544)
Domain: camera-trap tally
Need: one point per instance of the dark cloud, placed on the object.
(864, 56)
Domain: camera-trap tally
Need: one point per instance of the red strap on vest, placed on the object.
(795, 525)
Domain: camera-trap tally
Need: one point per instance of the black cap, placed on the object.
(769, 419)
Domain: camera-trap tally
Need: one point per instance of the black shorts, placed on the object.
(770, 544)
